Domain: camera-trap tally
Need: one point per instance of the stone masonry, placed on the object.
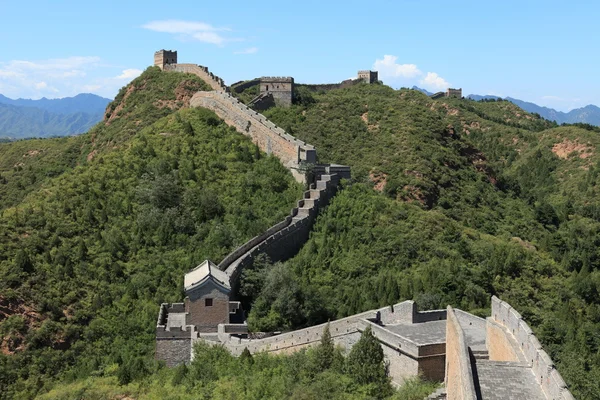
(281, 88)
(269, 137)
(513, 366)
(454, 93)
(165, 57)
(497, 358)
(368, 76)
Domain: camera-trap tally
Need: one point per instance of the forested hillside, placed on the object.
(455, 200)
(97, 231)
(451, 201)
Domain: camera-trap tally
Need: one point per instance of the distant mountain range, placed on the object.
(24, 118)
(589, 114)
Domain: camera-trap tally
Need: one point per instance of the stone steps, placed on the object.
(480, 354)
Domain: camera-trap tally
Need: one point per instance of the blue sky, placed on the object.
(540, 51)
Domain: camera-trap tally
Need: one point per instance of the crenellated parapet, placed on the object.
(511, 339)
(266, 135)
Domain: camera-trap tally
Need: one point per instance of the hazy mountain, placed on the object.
(589, 114)
(428, 93)
(24, 118)
(25, 122)
(84, 102)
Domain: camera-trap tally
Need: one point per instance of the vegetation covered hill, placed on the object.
(452, 201)
(474, 199)
(87, 255)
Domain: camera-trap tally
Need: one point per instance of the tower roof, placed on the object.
(203, 273)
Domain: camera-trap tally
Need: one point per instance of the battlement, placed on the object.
(165, 57)
(281, 79)
(511, 339)
(454, 93)
(280, 87)
(368, 76)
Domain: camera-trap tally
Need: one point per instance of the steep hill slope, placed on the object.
(475, 199)
(87, 255)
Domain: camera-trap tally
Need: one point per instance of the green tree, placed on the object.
(325, 352)
(365, 362)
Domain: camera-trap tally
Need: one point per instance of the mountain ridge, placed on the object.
(589, 114)
(26, 118)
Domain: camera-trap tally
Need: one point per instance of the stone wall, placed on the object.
(163, 57)
(404, 357)
(211, 79)
(501, 347)
(262, 102)
(454, 93)
(284, 239)
(504, 316)
(240, 86)
(460, 384)
(368, 76)
(408, 313)
(269, 137)
(173, 352)
(206, 318)
(281, 88)
(324, 87)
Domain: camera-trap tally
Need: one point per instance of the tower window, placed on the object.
(208, 302)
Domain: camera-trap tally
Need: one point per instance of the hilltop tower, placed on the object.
(454, 93)
(281, 88)
(164, 57)
(368, 76)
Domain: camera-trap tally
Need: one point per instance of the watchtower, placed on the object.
(454, 93)
(207, 292)
(164, 57)
(281, 88)
(368, 76)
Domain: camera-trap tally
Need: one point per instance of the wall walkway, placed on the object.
(269, 137)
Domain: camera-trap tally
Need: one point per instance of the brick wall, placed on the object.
(402, 355)
(284, 239)
(508, 322)
(207, 318)
(173, 351)
(460, 384)
(501, 347)
(270, 138)
(211, 79)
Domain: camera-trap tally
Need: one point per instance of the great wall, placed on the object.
(494, 358)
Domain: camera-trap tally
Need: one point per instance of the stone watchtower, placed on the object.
(281, 88)
(454, 93)
(207, 292)
(164, 57)
(368, 76)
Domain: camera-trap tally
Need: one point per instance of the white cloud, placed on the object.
(34, 79)
(407, 74)
(178, 26)
(434, 81)
(61, 77)
(129, 74)
(249, 50)
(191, 30)
(388, 68)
